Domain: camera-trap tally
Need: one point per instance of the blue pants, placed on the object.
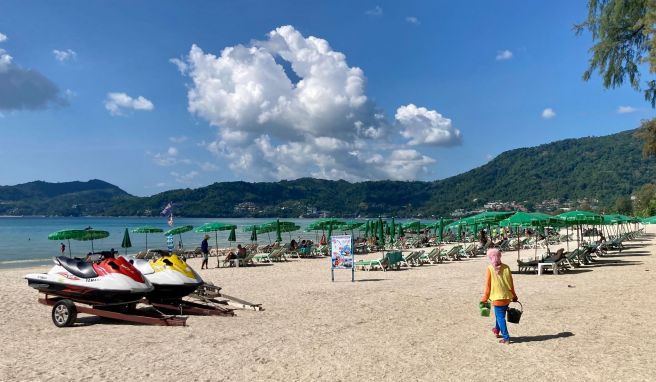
(500, 315)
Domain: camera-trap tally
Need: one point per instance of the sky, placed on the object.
(160, 95)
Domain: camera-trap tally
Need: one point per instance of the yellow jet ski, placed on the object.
(170, 276)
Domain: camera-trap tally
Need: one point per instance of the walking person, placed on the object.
(500, 289)
(205, 250)
(62, 248)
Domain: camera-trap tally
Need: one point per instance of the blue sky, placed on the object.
(340, 89)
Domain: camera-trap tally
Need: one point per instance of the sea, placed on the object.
(24, 240)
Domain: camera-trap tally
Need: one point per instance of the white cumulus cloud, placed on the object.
(64, 55)
(503, 55)
(412, 20)
(5, 60)
(626, 109)
(3, 37)
(179, 139)
(181, 65)
(375, 11)
(291, 106)
(185, 178)
(116, 102)
(168, 158)
(426, 127)
(548, 113)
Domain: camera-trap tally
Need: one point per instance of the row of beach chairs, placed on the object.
(561, 261)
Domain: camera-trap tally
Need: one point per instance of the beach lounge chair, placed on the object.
(557, 261)
(454, 253)
(322, 250)
(413, 258)
(248, 260)
(430, 257)
(527, 266)
(370, 264)
(275, 255)
(391, 260)
(394, 259)
(469, 251)
(572, 258)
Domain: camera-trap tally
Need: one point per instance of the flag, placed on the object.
(168, 209)
(168, 212)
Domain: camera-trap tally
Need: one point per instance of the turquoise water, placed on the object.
(24, 240)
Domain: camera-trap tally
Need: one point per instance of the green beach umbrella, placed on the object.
(126, 243)
(351, 225)
(489, 217)
(401, 233)
(578, 218)
(366, 229)
(278, 231)
(330, 231)
(67, 234)
(215, 227)
(381, 234)
(179, 231)
(254, 234)
(78, 234)
(93, 234)
(393, 232)
(232, 236)
(260, 228)
(147, 230)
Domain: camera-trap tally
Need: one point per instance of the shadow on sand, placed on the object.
(545, 337)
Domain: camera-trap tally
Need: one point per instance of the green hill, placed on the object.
(67, 198)
(596, 168)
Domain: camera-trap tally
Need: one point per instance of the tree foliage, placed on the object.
(624, 35)
(645, 200)
(647, 133)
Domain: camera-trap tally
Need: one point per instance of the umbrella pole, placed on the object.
(146, 241)
(518, 245)
(69, 248)
(92, 250)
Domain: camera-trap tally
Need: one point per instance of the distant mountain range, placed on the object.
(597, 168)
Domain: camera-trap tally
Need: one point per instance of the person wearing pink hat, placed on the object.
(500, 289)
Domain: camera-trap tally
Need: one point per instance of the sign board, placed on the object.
(169, 242)
(341, 251)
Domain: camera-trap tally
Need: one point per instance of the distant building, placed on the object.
(245, 207)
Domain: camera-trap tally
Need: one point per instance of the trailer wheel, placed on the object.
(64, 313)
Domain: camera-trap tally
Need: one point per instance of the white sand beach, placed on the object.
(591, 324)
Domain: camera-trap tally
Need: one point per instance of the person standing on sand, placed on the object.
(205, 250)
(500, 289)
(62, 248)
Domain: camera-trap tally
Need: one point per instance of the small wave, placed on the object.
(23, 263)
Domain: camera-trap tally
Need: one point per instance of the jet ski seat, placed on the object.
(77, 267)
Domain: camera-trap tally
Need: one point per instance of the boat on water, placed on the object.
(109, 281)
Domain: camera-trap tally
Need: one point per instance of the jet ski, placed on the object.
(171, 277)
(109, 281)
